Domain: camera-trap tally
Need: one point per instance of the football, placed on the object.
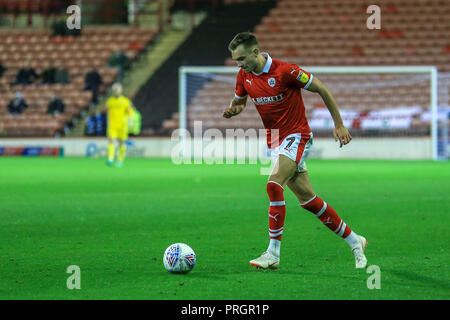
(179, 258)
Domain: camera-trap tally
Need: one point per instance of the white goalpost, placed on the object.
(388, 96)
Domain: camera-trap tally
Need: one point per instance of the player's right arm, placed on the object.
(240, 98)
(236, 107)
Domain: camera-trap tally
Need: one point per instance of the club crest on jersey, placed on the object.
(302, 77)
(271, 82)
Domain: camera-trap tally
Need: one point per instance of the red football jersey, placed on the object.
(277, 96)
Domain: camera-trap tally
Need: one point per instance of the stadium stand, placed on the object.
(334, 33)
(308, 33)
(78, 54)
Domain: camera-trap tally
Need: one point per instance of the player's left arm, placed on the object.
(340, 131)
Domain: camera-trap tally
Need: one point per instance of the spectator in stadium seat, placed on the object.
(17, 104)
(55, 105)
(61, 74)
(120, 60)
(48, 75)
(59, 28)
(93, 80)
(26, 74)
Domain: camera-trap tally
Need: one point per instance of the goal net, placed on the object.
(392, 112)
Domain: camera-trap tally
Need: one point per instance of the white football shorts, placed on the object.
(296, 147)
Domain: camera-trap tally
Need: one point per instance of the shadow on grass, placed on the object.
(420, 279)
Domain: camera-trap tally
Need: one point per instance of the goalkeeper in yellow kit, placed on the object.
(118, 108)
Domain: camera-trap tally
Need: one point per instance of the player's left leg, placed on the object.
(301, 186)
(121, 153)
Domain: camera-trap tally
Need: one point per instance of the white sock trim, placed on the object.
(318, 214)
(302, 204)
(274, 235)
(270, 181)
(341, 233)
(339, 226)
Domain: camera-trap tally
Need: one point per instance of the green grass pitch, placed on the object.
(115, 223)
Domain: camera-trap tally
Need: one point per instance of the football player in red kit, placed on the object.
(275, 88)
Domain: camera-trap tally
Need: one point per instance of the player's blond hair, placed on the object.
(247, 39)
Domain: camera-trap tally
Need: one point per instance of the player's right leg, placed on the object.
(121, 153)
(302, 188)
(283, 170)
(123, 136)
(112, 136)
(111, 152)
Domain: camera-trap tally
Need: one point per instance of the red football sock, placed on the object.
(328, 216)
(277, 210)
